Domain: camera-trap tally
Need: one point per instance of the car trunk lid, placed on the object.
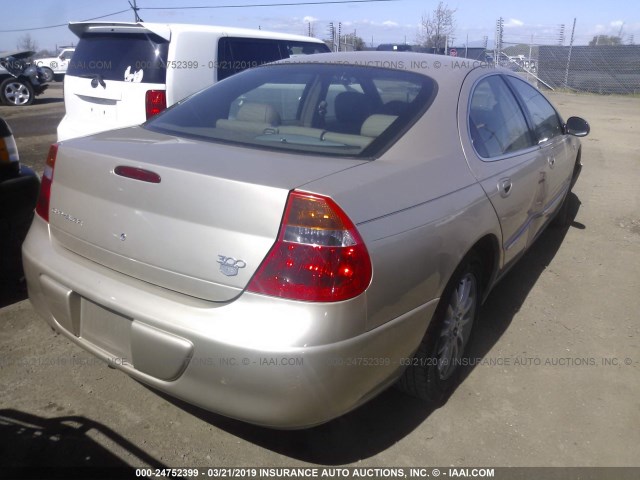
(201, 229)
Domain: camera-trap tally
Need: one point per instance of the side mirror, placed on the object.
(577, 127)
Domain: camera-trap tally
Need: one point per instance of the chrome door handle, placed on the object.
(504, 187)
(551, 161)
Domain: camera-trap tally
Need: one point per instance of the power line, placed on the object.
(135, 8)
(63, 24)
(287, 4)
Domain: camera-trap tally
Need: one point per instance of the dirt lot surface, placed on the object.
(556, 383)
(35, 126)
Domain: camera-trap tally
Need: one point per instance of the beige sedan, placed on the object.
(284, 245)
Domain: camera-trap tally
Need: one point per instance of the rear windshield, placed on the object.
(125, 57)
(340, 110)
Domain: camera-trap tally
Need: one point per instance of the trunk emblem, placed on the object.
(123, 236)
(67, 216)
(229, 266)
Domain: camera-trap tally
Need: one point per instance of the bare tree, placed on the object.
(605, 40)
(26, 42)
(436, 27)
(358, 43)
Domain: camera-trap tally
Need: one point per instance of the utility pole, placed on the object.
(498, 47)
(135, 9)
(561, 35)
(332, 35)
(529, 61)
(620, 32)
(566, 72)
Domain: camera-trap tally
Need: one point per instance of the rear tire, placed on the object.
(48, 74)
(16, 92)
(436, 365)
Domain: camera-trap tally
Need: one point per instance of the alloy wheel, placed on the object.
(457, 325)
(17, 93)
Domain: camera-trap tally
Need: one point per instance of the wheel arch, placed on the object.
(487, 250)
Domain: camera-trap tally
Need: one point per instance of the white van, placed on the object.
(123, 73)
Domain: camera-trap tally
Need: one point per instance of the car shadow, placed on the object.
(43, 101)
(32, 446)
(12, 291)
(509, 294)
(392, 415)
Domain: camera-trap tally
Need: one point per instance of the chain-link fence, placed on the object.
(604, 64)
(561, 59)
(603, 69)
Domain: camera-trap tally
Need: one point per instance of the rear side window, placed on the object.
(140, 58)
(496, 121)
(337, 110)
(238, 54)
(66, 55)
(304, 48)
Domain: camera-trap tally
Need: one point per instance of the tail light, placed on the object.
(155, 102)
(9, 158)
(319, 255)
(8, 149)
(42, 208)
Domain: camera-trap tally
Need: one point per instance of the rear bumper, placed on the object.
(258, 359)
(68, 129)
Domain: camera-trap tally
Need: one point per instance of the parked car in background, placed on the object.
(394, 47)
(55, 67)
(20, 82)
(284, 245)
(124, 73)
(19, 186)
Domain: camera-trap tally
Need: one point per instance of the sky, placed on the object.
(376, 22)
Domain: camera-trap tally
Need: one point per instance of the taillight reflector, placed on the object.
(319, 255)
(42, 207)
(155, 102)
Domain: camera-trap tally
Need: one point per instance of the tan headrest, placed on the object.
(375, 124)
(259, 113)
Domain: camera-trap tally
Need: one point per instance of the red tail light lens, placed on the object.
(319, 255)
(137, 174)
(155, 102)
(42, 207)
